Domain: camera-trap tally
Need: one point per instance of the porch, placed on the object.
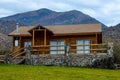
(102, 52)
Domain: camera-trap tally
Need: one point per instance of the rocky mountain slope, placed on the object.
(112, 32)
(5, 42)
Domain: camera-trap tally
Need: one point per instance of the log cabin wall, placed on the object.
(39, 39)
(21, 40)
(69, 39)
(72, 39)
(25, 39)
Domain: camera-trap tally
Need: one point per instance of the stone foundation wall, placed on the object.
(70, 60)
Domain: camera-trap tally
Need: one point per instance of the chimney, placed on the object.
(17, 27)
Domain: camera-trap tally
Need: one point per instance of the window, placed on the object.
(83, 47)
(56, 48)
(27, 45)
(16, 42)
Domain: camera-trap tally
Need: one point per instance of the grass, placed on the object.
(25, 72)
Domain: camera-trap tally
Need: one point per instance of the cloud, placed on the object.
(8, 1)
(5, 12)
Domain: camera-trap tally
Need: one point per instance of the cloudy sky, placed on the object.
(106, 11)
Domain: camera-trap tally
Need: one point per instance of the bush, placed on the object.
(116, 49)
(116, 53)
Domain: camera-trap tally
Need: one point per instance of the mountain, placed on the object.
(47, 17)
(5, 42)
(112, 32)
(7, 26)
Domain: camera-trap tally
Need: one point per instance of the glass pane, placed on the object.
(61, 52)
(80, 42)
(87, 52)
(53, 52)
(53, 48)
(29, 43)
(16, 42)
(87, 42)
(87, 47)
(59, 49)
(80, 52)
(53, 45)
(61, 42)
(53, 42)
(80, 47)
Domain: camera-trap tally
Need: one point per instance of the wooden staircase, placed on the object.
(2, 58)
(18, 56)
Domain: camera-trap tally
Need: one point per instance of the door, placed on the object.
(27, 44)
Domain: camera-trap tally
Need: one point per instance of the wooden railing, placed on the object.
(94, 48)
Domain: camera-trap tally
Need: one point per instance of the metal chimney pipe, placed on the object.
(17, 27)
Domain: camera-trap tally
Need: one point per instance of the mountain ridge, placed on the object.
(48, 17)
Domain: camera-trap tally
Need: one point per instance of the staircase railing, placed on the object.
(17, 53)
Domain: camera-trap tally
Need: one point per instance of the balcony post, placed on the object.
(33, 37)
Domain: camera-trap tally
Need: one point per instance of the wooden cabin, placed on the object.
(52, 39)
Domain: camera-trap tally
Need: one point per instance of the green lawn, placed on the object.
(24, 72)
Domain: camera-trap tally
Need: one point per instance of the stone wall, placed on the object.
(87, 60)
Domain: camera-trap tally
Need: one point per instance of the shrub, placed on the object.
(116, 49)
(116, 53)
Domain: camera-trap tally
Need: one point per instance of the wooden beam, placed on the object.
(96, 38)
(94, 51)
(39, 29)
(20, 41)
(33, 38)
(13, 43)
(45, 37)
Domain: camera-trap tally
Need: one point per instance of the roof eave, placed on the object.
(76, 34)
(19, 35)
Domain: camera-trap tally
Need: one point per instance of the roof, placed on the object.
(63, 29)
(81, 28)
(23, 30)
